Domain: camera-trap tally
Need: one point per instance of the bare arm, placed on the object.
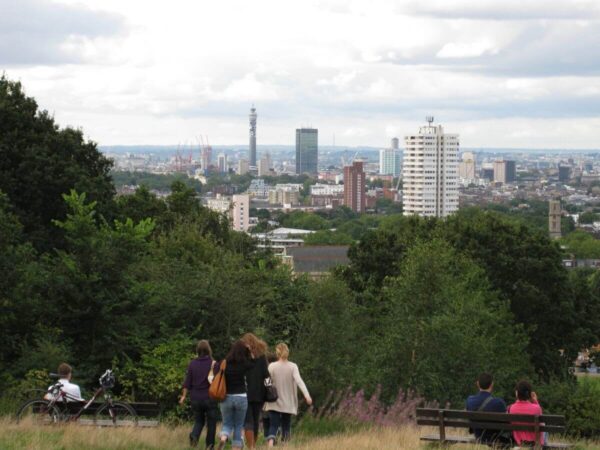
(183, 396)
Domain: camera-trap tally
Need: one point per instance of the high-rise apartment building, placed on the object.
(466, 168)
(390, 160)
(243, 167)
(505, 171)
(241, 212)
(354, 187)
(430, 172)
(252, 147)
(395, 143)
(307, 151)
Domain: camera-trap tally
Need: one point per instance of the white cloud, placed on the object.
(466, 49)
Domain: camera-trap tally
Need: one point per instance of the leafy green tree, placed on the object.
(159, 373)
(327, 350)
(588, 217)
(379, 253)
(39, 162)
(141, 205)
(445, 326)
(19, 307)
(526, 268)
(582, 245)
(88, 287)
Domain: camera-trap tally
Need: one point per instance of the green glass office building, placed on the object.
(307, 151)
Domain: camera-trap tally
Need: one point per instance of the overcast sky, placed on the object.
(503, 73)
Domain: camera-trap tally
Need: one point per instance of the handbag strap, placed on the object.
(485, 403)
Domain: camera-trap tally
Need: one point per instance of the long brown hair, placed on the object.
(203, 348)
(258, 347)
(239, 353)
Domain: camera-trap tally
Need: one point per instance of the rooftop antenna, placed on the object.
(429, 119)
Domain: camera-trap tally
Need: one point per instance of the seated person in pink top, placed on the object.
(527, 403)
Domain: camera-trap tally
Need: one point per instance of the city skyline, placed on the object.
(502, 74)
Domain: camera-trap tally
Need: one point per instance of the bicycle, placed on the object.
(59, 406)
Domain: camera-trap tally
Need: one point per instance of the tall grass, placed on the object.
(26, 436)
(73, 437)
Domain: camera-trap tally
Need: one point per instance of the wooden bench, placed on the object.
(148, 412)
(449, 418)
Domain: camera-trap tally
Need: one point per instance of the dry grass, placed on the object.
(73, 437)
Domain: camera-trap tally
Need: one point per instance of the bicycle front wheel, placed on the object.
(38, 412)
(116, 414)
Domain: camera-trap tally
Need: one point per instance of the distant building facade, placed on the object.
(466, 168)
(219, 204)
(430, 172)
(564, 173)
(390, 161)
(258, 188)
(206, 158)
(243, 167)
(354, 187)
(241, 212)
(307, 151)
(326, 189)
(222, 163)
(487, 174)
(505, 171)
(264, 166)
(316, 261)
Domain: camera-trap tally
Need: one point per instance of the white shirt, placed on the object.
(72, 390)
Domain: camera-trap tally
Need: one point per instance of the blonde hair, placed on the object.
(258, 347)
(282, 350)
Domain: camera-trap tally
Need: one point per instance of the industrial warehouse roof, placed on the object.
(317, 258)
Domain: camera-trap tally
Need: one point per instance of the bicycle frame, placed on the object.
(64, 397)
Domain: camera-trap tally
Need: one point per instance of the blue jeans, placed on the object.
(233, 410)
(280, 420)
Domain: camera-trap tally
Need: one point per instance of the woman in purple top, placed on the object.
(198, 377)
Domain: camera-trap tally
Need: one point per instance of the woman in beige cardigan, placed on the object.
(286, 378)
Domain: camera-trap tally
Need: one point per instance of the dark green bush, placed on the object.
(583, 418)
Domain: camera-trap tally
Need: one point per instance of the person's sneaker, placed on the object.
(193, 441)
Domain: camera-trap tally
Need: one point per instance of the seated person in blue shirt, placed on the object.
(484, 401)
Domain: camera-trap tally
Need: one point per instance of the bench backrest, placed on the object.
(143, 409)
(451, 418)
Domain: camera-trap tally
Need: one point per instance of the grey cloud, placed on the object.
(503, 10)
(542, 50)
(33, 31)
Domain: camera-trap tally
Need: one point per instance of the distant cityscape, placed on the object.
(428, 175)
